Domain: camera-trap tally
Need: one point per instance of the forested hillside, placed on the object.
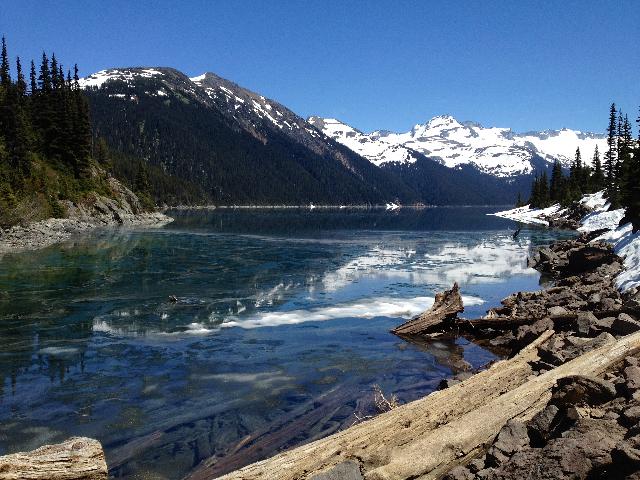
(171, 123)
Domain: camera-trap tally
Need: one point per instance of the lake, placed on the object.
(277, 335)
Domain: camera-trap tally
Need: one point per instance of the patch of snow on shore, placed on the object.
(626, 244)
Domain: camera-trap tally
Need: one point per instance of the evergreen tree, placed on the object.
(33, 79)
(20, 83)
(611, 157)
(556, 186)
(597, 177)
(5, 75)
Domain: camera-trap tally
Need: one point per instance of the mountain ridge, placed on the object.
(494, 150)
(239, 147)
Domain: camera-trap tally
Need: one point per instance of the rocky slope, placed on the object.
(122, 208)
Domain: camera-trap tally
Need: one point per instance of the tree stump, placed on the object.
(445, 308)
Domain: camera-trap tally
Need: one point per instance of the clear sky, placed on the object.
(528, 65)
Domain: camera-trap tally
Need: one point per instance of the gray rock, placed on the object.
(627, 452)
(577, 454)
(511, 438)
(632, 415)
(459, 473)
(582, 390)
(585, 323)
(542, 425)
(608, 304)
(557, 311)
(632, 378)
(348, 470)
(625, 324)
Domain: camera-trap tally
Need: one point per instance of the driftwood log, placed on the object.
(78, 458)
(445, 308)
(426, 438)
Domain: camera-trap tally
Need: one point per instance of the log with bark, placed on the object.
(78, 458)
(428, 437)
(445, 308)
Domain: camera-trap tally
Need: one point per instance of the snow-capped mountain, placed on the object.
(496, 151)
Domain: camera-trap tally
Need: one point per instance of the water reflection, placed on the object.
(91, 344)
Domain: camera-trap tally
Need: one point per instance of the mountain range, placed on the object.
(229, 145)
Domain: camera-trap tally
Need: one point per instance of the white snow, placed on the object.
(496, 151)
(99, 78)
(627, 245)
(530, 215)
(198, 79)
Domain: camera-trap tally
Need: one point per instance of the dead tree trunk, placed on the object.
(78, 458)
(445, 308)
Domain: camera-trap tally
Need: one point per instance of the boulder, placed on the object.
(543, 425)
(589, 257)
(632, 378)
(557, 311)
(582, 390)
(625, 324)
(585, 323)
(511, 438)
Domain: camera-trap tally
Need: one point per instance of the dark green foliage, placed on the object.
(610, 162)
(597, 180)
(620, 178)
(45, 142)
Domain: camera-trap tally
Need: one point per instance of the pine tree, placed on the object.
(611, 157)
(544, 190)
(20, 83)
(557, 183)
(33, 79)
(597, 177)
(5, 75)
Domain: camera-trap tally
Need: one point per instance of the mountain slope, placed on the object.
(495, 151)
(199, 132)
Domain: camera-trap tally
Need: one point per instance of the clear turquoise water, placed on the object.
(280, 328)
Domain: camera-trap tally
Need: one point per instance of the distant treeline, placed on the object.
(619, 174)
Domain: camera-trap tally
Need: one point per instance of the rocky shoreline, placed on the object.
(573, 407)
(95, 212)
(590, 428)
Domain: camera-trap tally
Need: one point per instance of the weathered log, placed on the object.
(426, 438)
(445, 307)
(78, 458)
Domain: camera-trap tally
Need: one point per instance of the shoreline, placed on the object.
(321, 207)
(51, 231)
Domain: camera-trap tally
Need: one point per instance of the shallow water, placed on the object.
(280, 329)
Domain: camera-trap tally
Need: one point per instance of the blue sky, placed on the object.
(528, 65)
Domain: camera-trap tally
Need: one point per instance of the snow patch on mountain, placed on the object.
(99, 78)
(496, 151)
